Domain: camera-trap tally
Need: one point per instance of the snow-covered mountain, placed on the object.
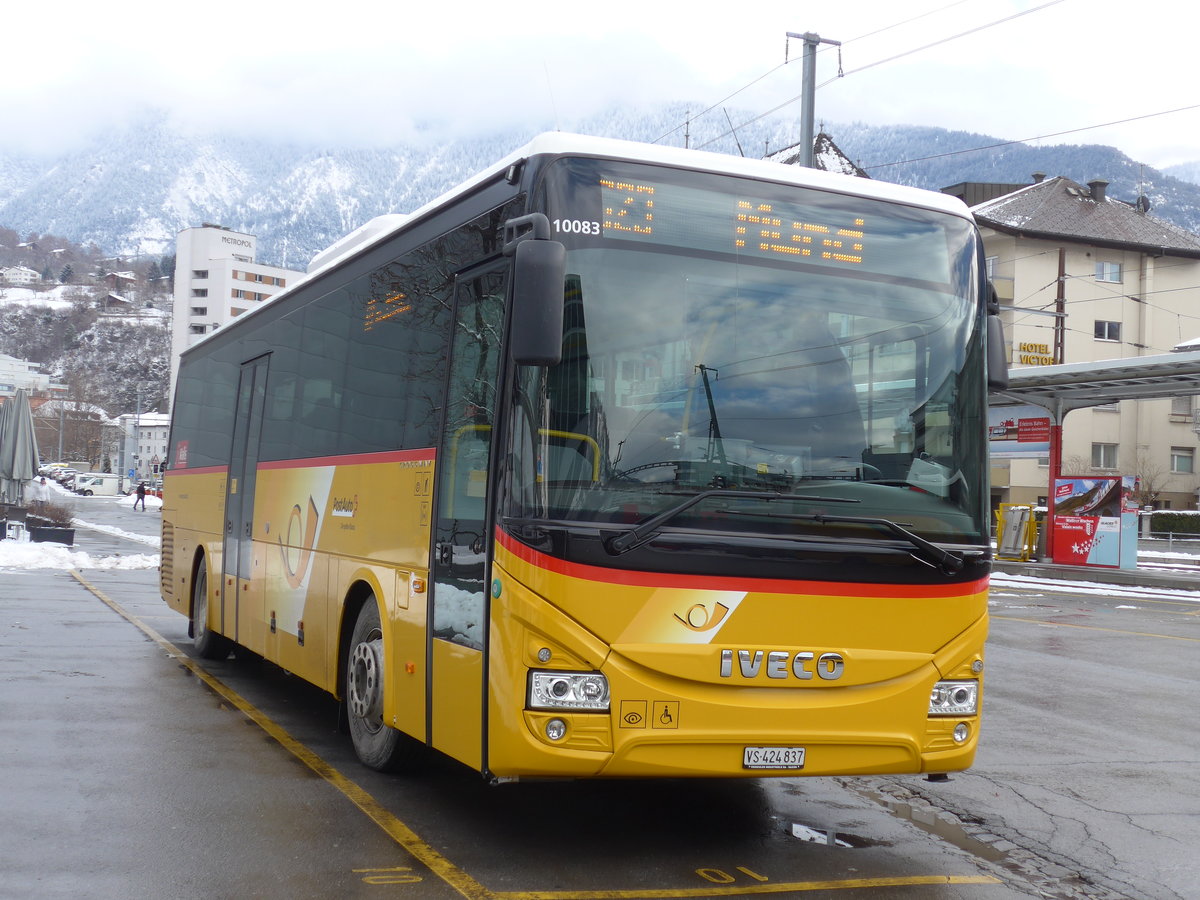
(1189, 171)
(133, 190)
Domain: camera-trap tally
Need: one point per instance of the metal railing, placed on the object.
(1170, 542)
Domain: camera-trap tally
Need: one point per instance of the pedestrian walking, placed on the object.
(39, 493)
(141, 496)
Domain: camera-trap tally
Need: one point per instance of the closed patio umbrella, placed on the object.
(18, 447)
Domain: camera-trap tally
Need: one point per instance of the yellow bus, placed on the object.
(617, 460)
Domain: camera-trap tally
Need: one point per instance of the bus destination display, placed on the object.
(708, 220)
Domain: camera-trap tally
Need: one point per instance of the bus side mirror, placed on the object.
(997, 356)
(539, 275)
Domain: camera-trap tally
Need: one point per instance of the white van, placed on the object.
(101, 484)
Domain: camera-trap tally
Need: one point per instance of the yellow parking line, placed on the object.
(397, 830)
(1150, 634)
(438, 864)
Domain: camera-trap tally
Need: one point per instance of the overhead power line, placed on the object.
(923, 15)
(721, 101)
(945, 40)
(882, 61)
(786, 61)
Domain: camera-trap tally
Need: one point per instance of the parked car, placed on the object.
(102, 483)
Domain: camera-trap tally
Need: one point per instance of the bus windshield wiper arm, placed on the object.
(643, 532)
(948, 560)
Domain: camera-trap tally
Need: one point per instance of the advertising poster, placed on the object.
(1018, 431)
(1095, 522)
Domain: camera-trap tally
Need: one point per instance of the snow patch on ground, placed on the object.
(28, 555)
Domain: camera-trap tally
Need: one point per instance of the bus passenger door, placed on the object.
(238, 556)
(462, 547)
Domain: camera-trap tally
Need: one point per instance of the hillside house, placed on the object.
(19, 276)
(117, 282)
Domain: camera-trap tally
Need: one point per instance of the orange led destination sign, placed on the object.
(797, 238)
(708, 220)
(376, 311)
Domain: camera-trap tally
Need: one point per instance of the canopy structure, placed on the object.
(1069, 386)
(1062, 388)
(18, 448)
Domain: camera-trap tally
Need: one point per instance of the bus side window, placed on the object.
(463, 462)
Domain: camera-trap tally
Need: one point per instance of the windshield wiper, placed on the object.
(947, 560)
(642, 533)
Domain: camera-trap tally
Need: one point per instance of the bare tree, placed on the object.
(1076, 466)
(1153, 479)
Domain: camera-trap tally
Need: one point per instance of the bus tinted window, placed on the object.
(204, 412)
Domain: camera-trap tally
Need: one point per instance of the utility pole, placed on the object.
(137, 434)
(1060, 309)
(809, 93)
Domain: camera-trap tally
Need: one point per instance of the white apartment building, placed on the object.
(1089, 278)
(19, 374)
(143, 446)
(216, 280)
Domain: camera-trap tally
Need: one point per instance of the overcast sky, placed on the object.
(367, 73)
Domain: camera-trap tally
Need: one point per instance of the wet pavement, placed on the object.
(124, 777)
(127, 774)
(130, 771)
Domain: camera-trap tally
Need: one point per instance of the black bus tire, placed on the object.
(378, 746)
(209, 644)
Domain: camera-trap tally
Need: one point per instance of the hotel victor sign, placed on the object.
(1034, 355)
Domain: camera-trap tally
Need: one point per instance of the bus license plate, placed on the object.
(773, 758)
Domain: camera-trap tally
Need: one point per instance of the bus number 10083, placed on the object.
(576, 226)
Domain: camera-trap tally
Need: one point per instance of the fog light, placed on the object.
(557, 728)
(954, 698)
(961, 732)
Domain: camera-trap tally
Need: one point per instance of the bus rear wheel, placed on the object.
(209, 644)
(378, 746)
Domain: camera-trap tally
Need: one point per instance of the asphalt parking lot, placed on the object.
(134, 771)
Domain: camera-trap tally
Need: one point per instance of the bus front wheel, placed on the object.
(209, 644)
(378, 746)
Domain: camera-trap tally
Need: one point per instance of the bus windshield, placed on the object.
(745, 338)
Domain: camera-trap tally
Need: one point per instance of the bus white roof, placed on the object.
(359, 237)
(563, 143)
(559, 142)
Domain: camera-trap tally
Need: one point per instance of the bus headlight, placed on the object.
(954, 698)
(568, 690)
